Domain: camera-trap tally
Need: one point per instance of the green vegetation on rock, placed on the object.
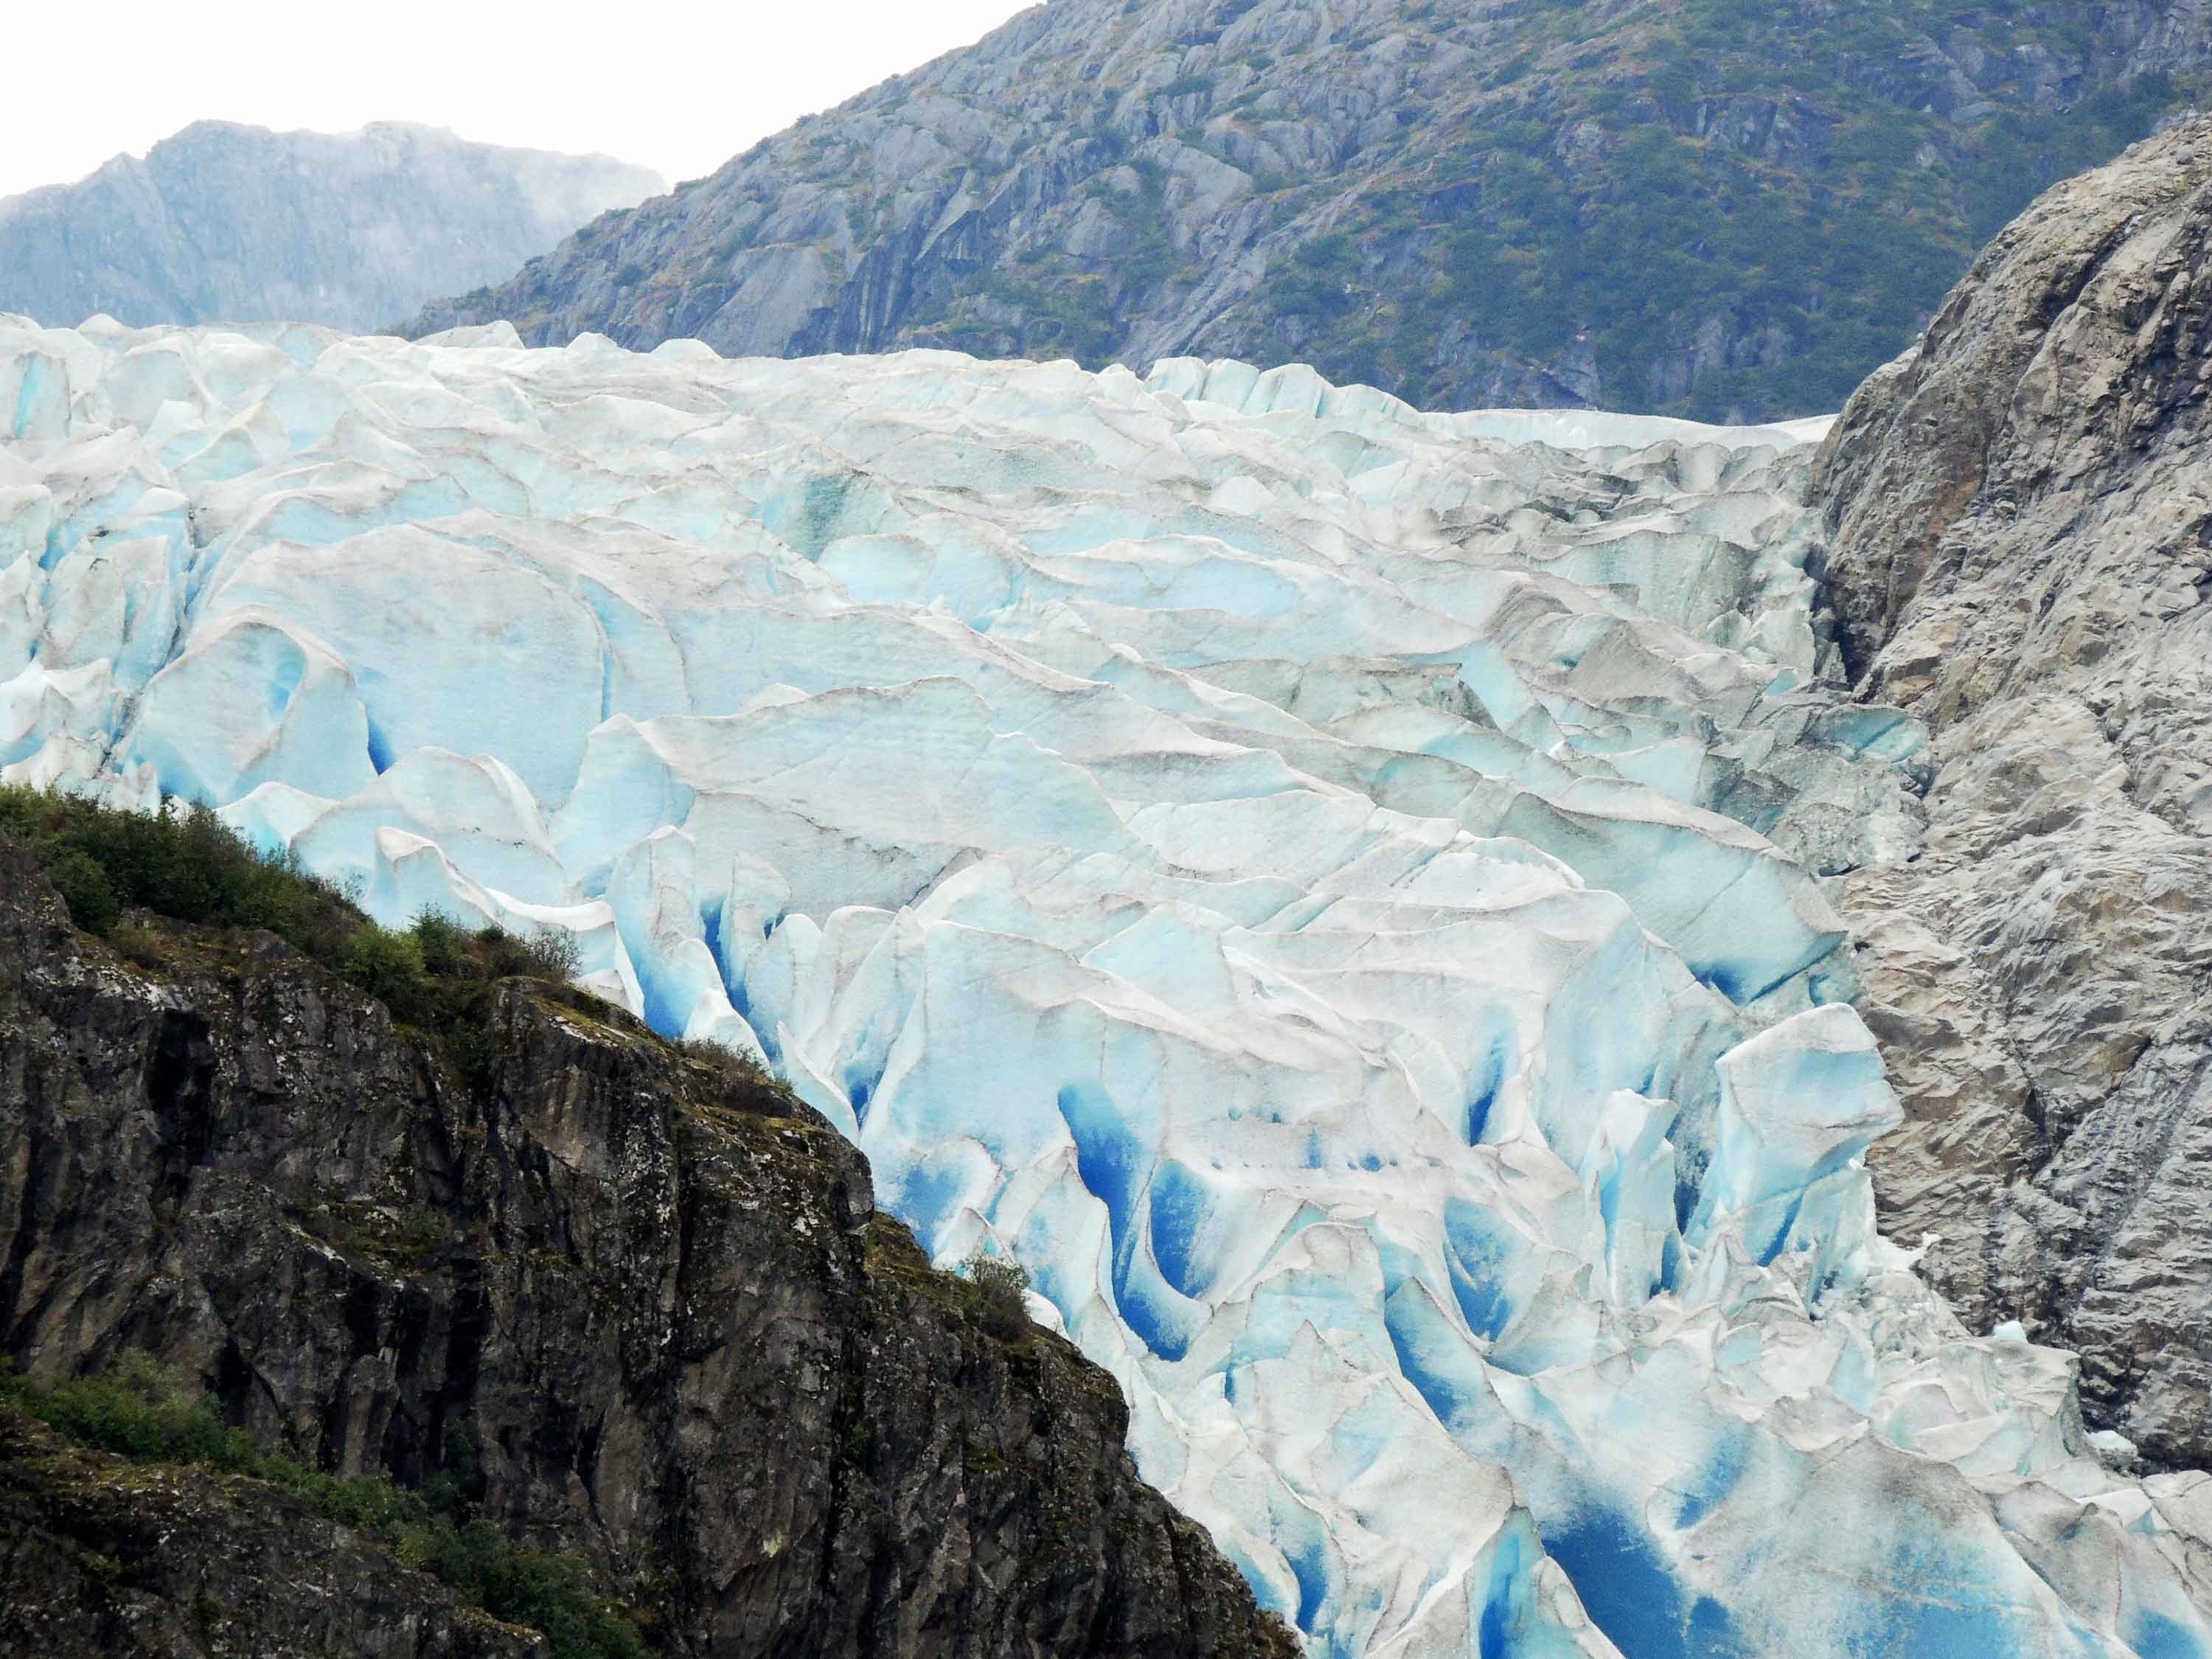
(184, 863)
(143, 1412)
(1002, 1283)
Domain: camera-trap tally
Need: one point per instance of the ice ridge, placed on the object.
(1334, 890)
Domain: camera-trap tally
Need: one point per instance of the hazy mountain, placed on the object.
(223, 222)
(1723, 208)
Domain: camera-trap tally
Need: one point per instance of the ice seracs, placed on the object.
(1334, 890)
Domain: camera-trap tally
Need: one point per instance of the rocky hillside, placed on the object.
(230, 224)
(631, 1303)
(2021, 518)
(110, 1557)
(1731, 209)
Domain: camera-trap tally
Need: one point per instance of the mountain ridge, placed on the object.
(224, 220)
(1693, 207)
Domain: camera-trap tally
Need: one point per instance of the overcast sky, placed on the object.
(678, 87)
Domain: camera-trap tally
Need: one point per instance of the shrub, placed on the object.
(423, 1227)
(1002, 1283)
(390, 967)
(84, 887)
(138, 1410)
(737, 1065)
(182, 861)
(551, 954)
(443, 942)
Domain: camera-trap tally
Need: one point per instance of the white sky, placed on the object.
(677, 88)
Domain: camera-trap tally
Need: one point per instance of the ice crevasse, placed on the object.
(1334, 890)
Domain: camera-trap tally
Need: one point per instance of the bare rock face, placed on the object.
(656, 1294)
(2021, 518)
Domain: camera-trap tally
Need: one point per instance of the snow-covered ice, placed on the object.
(1334, 890)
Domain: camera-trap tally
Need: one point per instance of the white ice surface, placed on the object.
(1324, 885)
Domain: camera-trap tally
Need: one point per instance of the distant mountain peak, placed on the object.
(225, 221)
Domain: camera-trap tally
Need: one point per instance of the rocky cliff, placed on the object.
(1708, 207)
(230, 224)
(651, 1292)
(100, 1555)
(2021, 518)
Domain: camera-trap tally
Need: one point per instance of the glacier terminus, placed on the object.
(1336, 892)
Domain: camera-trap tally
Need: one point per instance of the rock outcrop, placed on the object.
(99, 1555)
(1729, 211)
(228, 223)
(2019, 511)
(654, 1290)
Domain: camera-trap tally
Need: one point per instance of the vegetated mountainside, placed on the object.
(2020, 516)
(1731, 209)
(630, 1301)
(228, 223)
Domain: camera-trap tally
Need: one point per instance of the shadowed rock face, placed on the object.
(2020, 517)
(659, 1295)
(231, 223)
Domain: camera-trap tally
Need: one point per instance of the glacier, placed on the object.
(1336, 891)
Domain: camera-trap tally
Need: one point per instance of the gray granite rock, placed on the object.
(101, 1556)
(2019, 519)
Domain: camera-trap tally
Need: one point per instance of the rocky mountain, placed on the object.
(1729, 209)
(650, 1296)
(230, 224)
(2020, 518)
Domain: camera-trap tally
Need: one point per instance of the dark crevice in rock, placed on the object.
(179, 1074)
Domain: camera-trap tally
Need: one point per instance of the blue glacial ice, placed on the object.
(1334, 890)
